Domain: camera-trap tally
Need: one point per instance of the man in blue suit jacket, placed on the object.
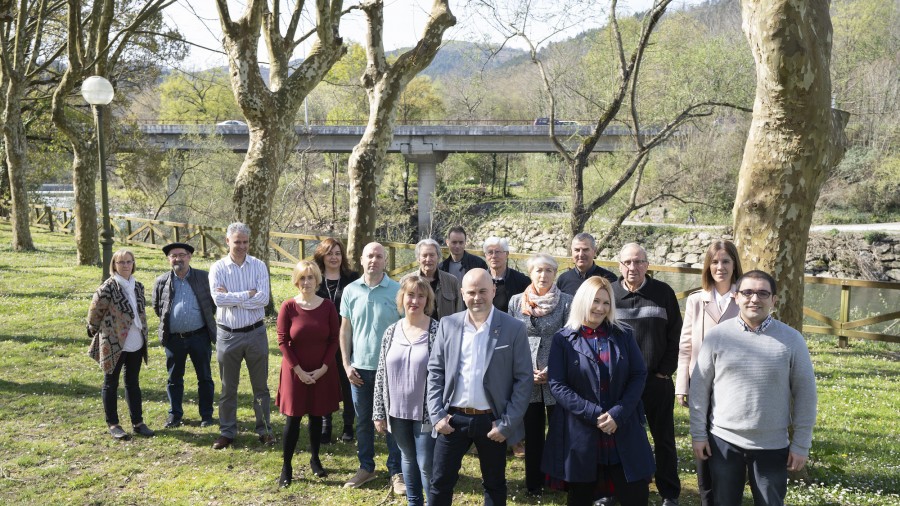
(479, 385)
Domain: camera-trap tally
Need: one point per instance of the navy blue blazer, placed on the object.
(570, 453)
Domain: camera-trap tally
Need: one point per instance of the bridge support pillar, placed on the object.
(426, 165)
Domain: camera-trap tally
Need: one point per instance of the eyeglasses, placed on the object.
(760, 294)
(494, 252)
(124, 262)
(635, 263)
(179, 255)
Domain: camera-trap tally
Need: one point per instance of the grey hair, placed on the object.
(541, 259)
(428, 242)
(633, 245)
(495, 241)
(237, 228)
(586, 237)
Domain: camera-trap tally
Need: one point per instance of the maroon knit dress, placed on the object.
(308, 338)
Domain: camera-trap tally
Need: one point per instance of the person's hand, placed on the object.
(702, 451)
(443, 426)
(318, 373)
(795, 462)
(304, 376)
(682, 399)
(606, 423)
(540, 376)
(221, 289)
(381, 426)
(495, 435)
(353, 376)
(252, 293)
(662, 376)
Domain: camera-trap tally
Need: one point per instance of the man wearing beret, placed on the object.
(187, 327)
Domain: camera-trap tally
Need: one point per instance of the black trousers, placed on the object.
(349, 413)
(131, 361)
(659, 404)
(535, 426)
(448, 454)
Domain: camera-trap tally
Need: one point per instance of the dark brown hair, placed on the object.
(324, 247)
(707, 281)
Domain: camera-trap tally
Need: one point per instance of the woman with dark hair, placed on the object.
(597, 444)
(331, 257)
(117, 323)
(544, 309)
(704, 310)
(308, 331)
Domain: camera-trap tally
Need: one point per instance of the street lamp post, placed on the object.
(98, 92)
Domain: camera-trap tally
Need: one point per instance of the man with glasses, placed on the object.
(507, 281)
(650, 307)
(753, 399)
(187, 327)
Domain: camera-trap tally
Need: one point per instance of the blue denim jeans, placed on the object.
(417, 451)
(363, 403)
(178, 350)
(766, 469)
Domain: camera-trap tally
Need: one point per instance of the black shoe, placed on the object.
(172, 422)
(326, 436)
(118, 433)
(207, 422)
(535, 492)
(143, 430)
(286, 477)
(347, 436)
(316, 465)
(605, 501)
(267, 439)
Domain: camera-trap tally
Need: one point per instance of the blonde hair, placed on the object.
(302, 267)
(119, 254)
(416, 282)
(584, 297)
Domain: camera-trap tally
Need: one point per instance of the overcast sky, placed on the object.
(404, 22)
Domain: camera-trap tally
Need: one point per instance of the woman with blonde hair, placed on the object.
(705, 309)
(117, 323)
(597, 441)
(308, 330)
(400, 402)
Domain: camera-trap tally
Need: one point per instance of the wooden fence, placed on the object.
(287, 249)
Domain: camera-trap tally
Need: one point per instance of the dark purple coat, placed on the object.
(570, 453)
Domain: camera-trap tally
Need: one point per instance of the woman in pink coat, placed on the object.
(704, 310)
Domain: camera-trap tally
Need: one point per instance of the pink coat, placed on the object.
(701, 313)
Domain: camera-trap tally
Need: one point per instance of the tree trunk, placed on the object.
(84, 182)
(17, 166)
(795, 139)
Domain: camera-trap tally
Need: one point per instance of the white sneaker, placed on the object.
(398, 485)
(359, 479)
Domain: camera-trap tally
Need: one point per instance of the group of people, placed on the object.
(467, 352)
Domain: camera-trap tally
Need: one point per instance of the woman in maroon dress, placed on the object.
(308, 337)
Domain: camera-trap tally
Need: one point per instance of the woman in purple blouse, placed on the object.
(400, 406)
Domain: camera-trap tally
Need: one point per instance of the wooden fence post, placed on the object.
(843, 341)
(49, 214)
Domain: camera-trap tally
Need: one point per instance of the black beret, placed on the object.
(169, 247)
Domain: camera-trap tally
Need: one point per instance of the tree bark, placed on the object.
(384, 84)
(17, 165)
(270, 110)
(795, 139)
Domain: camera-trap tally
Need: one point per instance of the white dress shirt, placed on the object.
(235, 307)
(469, 392)
(722, 299)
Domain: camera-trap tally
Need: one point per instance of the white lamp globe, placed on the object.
(97, 90)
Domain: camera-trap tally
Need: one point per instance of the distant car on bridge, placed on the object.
(546, 121)
(231, 123)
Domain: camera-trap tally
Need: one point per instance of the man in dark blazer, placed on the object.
(479, 385)
(187, 328)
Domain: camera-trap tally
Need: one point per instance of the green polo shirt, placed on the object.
(370, 311)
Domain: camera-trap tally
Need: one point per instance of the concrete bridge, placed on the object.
(424, 145)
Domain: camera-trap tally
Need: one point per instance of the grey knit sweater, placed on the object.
(757, 385)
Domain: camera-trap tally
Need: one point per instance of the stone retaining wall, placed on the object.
(841, 255)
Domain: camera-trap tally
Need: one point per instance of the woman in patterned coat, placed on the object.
(117, 324)
(544, 309)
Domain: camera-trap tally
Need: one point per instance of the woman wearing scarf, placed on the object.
(597, 444)
(117, 324)
(544, 309)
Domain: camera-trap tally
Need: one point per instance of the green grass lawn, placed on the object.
(54, 447)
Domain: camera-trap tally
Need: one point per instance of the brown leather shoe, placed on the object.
(267, 439)
(222, 442)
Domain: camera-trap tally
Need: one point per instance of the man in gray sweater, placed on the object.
(753, 399)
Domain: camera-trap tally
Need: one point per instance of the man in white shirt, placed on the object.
(479, 385)
(239, 284)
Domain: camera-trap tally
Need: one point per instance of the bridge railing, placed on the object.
(286, 249)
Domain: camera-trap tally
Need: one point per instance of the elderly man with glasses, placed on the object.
(650, 307)
(187, 328)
